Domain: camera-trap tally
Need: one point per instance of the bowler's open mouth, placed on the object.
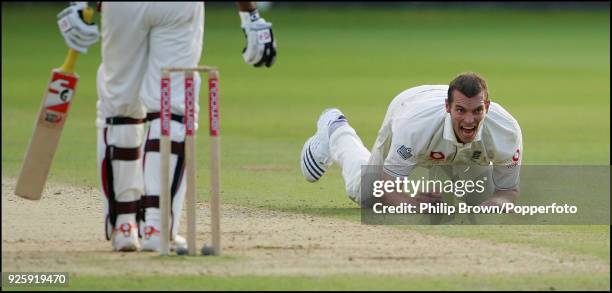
(468, 131)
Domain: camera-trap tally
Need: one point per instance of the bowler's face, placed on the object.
(467, 113)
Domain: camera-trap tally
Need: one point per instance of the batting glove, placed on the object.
(261, 46)
(77, 34)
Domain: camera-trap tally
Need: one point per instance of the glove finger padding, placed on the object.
(269, 53)
(253, 50)
(75, 43)
(89, 32)
(84, 39)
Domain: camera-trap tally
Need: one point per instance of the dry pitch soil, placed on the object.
(63, 232)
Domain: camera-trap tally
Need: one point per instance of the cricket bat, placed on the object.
(49, 125)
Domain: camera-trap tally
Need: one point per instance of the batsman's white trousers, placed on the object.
(138, 39)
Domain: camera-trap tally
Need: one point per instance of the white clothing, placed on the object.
(417, 131)
(138, 39)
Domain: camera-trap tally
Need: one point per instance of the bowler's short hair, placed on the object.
(468, 83)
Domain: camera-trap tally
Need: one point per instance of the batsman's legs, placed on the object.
(174, 40)
(151, 227)
(120, 170)
(120, 136)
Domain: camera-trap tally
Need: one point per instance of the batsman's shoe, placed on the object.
(125, 237)
(151, 240)
(315, 158)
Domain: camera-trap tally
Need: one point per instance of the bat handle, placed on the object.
(71, 58)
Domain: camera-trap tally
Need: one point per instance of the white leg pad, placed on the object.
(177, 177)
(120, 145)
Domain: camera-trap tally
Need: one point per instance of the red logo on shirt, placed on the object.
(436, 155)
(516, 155)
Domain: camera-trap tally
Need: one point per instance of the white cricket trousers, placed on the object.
(138, 39)
(347, 150)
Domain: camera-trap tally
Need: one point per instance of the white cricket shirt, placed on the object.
(417, 131)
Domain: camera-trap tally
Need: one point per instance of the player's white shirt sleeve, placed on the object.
(403, 149)
(506, 141)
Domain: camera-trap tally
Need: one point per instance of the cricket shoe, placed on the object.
(125, 237)
(179, 243)
(315, 157)
(151, 238)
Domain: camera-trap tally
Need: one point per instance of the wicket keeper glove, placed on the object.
(261, 46)
(77, 34)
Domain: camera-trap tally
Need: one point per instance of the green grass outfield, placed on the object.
(550, 69)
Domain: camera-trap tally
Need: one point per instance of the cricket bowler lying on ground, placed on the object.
(439, 127)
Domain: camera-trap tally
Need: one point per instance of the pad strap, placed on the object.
(124, 120)
(155, 115)
(177, 148)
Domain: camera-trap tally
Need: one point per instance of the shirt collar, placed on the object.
(449, 133)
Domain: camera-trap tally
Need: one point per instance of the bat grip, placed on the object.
(71, 58)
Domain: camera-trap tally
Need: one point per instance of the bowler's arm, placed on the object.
(506, 181)
(506, 172)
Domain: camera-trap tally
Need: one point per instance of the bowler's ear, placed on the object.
(487, 103)
(448, 106)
